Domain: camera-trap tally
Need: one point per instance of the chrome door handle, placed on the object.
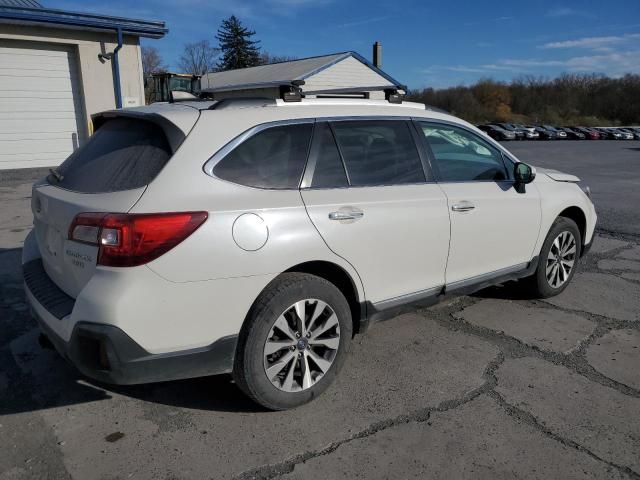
(463, 207)
(346, 215)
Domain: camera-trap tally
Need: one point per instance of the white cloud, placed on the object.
(453, 68)
(562, 12)
(300, 3)
(613, 64)
(364, 21)
(593, 42)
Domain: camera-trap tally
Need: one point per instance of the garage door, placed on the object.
(40, 107)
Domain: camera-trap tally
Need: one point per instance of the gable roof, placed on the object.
(25, 12)
(20, 3)
(281, 73)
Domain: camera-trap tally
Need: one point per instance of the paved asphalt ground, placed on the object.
(611, 169)
(490, 386)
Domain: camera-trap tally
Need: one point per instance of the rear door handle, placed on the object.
(463, 207)
(346, 215)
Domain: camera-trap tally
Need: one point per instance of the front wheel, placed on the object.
(294, 341)
(557, 261)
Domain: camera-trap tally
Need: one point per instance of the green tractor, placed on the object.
(170, 87)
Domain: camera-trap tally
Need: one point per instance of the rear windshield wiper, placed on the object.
(55, 174)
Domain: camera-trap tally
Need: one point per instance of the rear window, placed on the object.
(273, 158)
(123, 154)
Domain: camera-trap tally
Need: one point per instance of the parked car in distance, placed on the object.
(561, 134)
(544, 133)
(610, 133)
(624, 135)
(519, 133)
(530, 133)
(629, 131)
(589, 133)
(573, 134)
(302, 224)
(599, 133)
(497, 133)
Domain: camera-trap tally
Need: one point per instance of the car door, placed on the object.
(494, 226)
(369, 193)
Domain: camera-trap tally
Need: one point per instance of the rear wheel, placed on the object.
(294, 342)
(557, 261)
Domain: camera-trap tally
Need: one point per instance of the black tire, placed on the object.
(537, 285)
(249, 369)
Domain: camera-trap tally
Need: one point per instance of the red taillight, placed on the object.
(127, 240)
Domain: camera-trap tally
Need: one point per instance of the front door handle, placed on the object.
(346, 215)
(463, 207)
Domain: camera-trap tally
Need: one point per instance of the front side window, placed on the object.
(378, 152)
(462, 156)
(272, 158)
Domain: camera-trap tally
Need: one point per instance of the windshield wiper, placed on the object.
(55, 174)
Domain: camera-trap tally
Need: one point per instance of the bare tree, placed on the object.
(151, 61)
(570, 99)
(266, 58)
(198, 58)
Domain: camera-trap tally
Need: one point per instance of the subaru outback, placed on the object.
(256, 237)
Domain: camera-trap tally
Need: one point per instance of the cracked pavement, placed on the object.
(488, 386)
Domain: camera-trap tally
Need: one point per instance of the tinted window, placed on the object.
(462, 156)
(378, 152)
(123, 154)
(272, 158)
(329, 170)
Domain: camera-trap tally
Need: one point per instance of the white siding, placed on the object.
(40, 107)
(347, 73)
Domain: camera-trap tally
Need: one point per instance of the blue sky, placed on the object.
(425, 43)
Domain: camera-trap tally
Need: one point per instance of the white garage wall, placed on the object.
(41, 113)
(92, 78)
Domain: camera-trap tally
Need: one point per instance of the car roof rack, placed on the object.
(242, 102)
(292, 91)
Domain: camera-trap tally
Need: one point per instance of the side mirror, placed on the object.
(523, 173)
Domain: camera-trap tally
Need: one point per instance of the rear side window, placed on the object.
(378, 152)
(272, 158)
(123, 154)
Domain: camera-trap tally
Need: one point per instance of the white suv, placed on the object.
(257, 236)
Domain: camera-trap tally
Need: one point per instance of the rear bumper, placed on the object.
(105, 352)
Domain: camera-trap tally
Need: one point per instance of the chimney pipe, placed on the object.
(377, 54)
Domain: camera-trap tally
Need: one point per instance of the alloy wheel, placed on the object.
(301, 346)
(561, 259)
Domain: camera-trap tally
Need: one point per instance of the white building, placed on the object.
(57, 68)
(324, 75)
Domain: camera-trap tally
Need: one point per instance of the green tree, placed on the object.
(237, 47)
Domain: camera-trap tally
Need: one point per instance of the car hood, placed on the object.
(557, 176)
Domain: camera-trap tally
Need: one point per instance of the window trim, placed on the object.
(429, 152)
(428, 173)
(312, 159)
(217, 157)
